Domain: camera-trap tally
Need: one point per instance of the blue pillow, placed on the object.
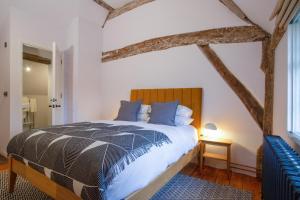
(163, 113)
(129, 111)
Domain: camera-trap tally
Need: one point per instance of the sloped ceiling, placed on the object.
(117, 3)
(251, 8)
(259, 12)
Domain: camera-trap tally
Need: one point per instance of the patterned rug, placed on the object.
(23, 190)
(181, 187)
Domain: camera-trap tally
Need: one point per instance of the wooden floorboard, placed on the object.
(218, 176)
(4, 165)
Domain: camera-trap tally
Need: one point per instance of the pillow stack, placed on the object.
(163, 113)
(144, 113)
(169, 113)
(129, 111)
(183, 116)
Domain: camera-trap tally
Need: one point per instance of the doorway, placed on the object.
(42, 88)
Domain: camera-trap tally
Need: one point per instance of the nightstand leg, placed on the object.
(202, 146)
(228, 161)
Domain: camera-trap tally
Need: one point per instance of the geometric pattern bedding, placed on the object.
(84, 157)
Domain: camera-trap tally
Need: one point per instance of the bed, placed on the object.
(137, 187)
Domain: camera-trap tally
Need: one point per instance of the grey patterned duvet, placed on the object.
(84, 157)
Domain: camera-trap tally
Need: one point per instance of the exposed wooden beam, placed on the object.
(288, 11)
(276, 37)
(269, 87)
(277, 9)
(282, 11)
(104, 5)
(127, 7)
(36, 58)
(265, 49)
(233, 7)
(105, 20)
(292, 8)
(291, 16)
(213, 36)
(259, 159)
(269, 61)
(252, 105)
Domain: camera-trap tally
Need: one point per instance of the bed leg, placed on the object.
(12, 177)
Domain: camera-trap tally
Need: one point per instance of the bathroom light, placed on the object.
(27, 69)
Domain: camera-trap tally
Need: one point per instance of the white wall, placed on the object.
(68, 84)
(39, 23)
(87, 82)
(85, 40)
(187, 67)
(4, 76)
(27, 28)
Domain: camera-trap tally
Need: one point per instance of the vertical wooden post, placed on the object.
(202, 147)
(12, 177)
(228, 160)
(269, 90)
(269, 47)
(259, 157)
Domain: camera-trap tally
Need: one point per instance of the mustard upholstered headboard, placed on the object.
(190, 97)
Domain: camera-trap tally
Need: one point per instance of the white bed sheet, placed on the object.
(146, 168)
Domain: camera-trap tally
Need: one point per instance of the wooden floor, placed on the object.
(219, 176)
(236, 180)
(3, 166)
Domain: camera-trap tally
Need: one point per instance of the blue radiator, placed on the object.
(281, 170)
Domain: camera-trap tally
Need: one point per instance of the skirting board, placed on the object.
(235, 167)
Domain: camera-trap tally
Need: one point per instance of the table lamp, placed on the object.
(211, 131)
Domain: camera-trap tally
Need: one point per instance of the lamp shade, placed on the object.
(211, 126)
(211, 131)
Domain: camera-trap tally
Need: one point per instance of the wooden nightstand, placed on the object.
(216, 142)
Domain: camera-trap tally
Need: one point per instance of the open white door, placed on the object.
(56, 100)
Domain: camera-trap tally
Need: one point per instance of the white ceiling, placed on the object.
(117, 3)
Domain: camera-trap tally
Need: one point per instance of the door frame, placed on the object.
(34, 45)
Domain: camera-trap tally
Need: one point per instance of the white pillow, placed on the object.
(183, 121)
(184, 111)
(143, 117)
(145, 109)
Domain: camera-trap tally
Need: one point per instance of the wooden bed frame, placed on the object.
(190, 97)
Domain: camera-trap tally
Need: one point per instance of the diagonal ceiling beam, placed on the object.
(213, 36)
(252, 105)
(104, 5)
(277, 9)
(127, 7)
(233, 7)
